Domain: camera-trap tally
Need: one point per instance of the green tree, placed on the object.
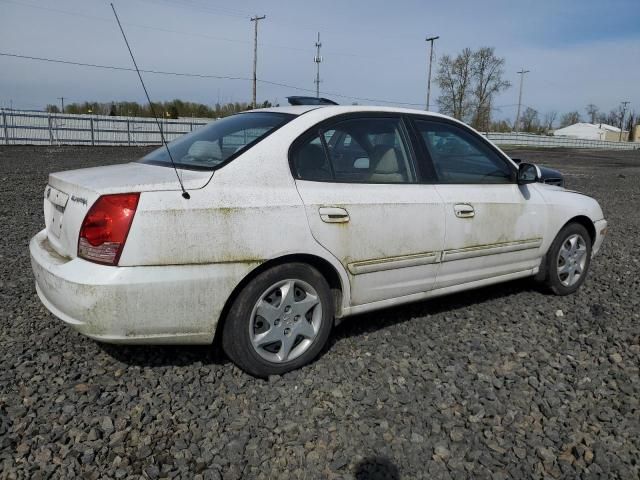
(173, 112)
(175, 108)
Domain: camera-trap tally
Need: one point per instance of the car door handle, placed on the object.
(333, 214)
(464, 210)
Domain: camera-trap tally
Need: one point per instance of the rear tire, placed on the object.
(280, 321)
(568, 260)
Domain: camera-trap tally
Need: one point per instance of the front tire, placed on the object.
(280, 321)
(568, 259)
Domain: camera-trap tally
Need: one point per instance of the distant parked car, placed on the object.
(298, 216)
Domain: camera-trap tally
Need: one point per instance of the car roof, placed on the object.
(331, 110)
(291, 110)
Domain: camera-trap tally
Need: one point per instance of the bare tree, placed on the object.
(501, 126)
(549, 119)
(487, 76)
(529, 120)
(631, 122)
(592, 111)
(569, 119)
(454, 80)
(614, 117)
(468, 83)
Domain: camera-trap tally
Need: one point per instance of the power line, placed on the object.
(126, 69)
(192, 34)
(148, 27)
(244, 15)
(200, 75)
(202, 8)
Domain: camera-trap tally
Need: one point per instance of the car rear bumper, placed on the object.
(601, 231)
(177, 304)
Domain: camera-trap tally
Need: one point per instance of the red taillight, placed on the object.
(106, 226)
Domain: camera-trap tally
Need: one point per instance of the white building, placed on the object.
(590, 131)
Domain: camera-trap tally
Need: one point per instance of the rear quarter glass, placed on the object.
(218, 143)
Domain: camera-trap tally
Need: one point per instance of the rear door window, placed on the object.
(362, 150)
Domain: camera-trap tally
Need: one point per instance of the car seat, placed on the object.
(386, 168)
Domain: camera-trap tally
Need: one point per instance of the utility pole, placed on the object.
(624, 112)
(255, 21)
(521, 73)
(430, 39)
(62, 103)
(318, 60)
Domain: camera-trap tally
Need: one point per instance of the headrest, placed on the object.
(311, 157)
(204, 150)
(387, 159)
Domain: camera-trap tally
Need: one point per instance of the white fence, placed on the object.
(41, 128)
(530, 140)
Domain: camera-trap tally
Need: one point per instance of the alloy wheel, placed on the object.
(285, 320)
(572, 259)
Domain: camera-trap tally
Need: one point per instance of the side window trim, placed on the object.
(327, 152)
(426, 172)
(405, 136)
(443, 121)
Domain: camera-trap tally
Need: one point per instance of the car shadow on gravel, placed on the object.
(184, 355)
(165, 355)
(376, 468)
(366, 323)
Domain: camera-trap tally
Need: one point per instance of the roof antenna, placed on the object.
(185, 194)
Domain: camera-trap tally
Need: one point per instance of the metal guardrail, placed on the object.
(19, 127)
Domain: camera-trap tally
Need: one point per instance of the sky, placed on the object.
(578, 51)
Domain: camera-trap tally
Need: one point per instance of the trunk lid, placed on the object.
(69, 195)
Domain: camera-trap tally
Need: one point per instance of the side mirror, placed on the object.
(528, 173)
(517, 160)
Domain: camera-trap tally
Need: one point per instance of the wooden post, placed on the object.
(128, 132)
(50, 130)
(6, 129)
(93, 142)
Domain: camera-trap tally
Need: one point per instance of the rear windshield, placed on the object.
(214, 144)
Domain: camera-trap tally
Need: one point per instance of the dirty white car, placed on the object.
(298, 216)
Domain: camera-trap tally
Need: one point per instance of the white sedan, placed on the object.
(298, 216)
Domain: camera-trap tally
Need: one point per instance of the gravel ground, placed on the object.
(503, 382)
